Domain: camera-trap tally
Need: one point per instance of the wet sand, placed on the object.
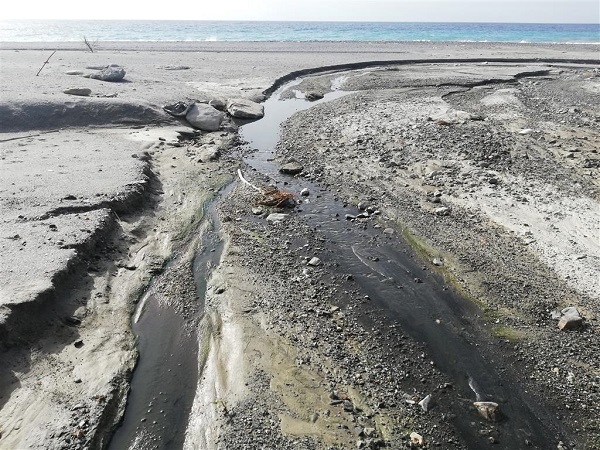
(96, 200)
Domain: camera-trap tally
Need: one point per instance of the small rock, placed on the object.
(350, 216)
(277, 217)
(570, 311)
(526, 131)
(314, 417)
(178, 109)
(389, 231)
(312, 96)
(416, 439)
(78, 343)
(110, 73)
(74, 72)
(570, 322)
(305, 192)
(257, 211)
(437, 262)
(292, 167)
(209, 154)
(488, 410)
(424, 404)
(442, 211)
(82, 92)
(363, 205)
(245, 109)
(314, 262)
(348, 406)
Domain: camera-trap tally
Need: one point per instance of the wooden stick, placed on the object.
(29, 136)
(247, 182)
(47, 61)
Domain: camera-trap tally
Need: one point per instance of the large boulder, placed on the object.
(204, 117)
(113, 73)
(245, 109)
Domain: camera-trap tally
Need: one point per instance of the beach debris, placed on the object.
(204, 117)
(171, 67)
(242, 108)
(277, 217)
(277, 198)
(82, 92)
(74, 72)
(569, 318)
(416, 439)
(178, 109)
(112, 73)
(488, 410)
(45, 62)
(88, 44)
(292, 167)
(424, 404)
(271, 197)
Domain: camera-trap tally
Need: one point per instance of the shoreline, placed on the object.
(146, 237)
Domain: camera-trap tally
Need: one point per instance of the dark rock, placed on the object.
(291, 168)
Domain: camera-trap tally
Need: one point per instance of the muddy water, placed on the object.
(427, 311)
(166, 376)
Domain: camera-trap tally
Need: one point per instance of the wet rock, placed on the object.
(204, 117)
(245, 109)
(277, 217)
(111, 73)
(416, 439)
(82, 92)
(488, 410)
(292, 167)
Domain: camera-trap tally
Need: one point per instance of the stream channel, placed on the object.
(166, 376)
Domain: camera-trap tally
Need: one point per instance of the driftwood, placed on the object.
(46, 62)
(271, 197)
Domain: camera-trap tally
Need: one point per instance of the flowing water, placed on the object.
(165, 379)
(429, 312)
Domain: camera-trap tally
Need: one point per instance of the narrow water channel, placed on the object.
(166, 376)
(429, 312)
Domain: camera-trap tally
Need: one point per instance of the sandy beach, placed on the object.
(440, 213)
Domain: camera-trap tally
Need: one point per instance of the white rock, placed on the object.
(277, 217)
(416, 439)
(204, 117)
(305, 192)
(314, 262)
(245, 109)
(424, 404)
(526, 131)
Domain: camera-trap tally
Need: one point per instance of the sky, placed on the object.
(537, 11)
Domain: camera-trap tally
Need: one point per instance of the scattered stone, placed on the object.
(178, 109)
(292, 167)
(442, 211)
(313, 96)
(424, 404)
(416, 439)
(570, 319)
(350, 216)
(314, 262)
(245, 109)
(314, 417)
(219, 104)
(82, 92)
(389, 231)
(257, 211)
(110, 73)
(526, 131)
(204, 117)
(305, 192)
(277, 217)
(209, 154)
(437, 262)
(363, 205)
(348, 406)
(78, 343)
(570, 322)
(488, 410)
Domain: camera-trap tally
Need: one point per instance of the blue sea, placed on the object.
(174, 31)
